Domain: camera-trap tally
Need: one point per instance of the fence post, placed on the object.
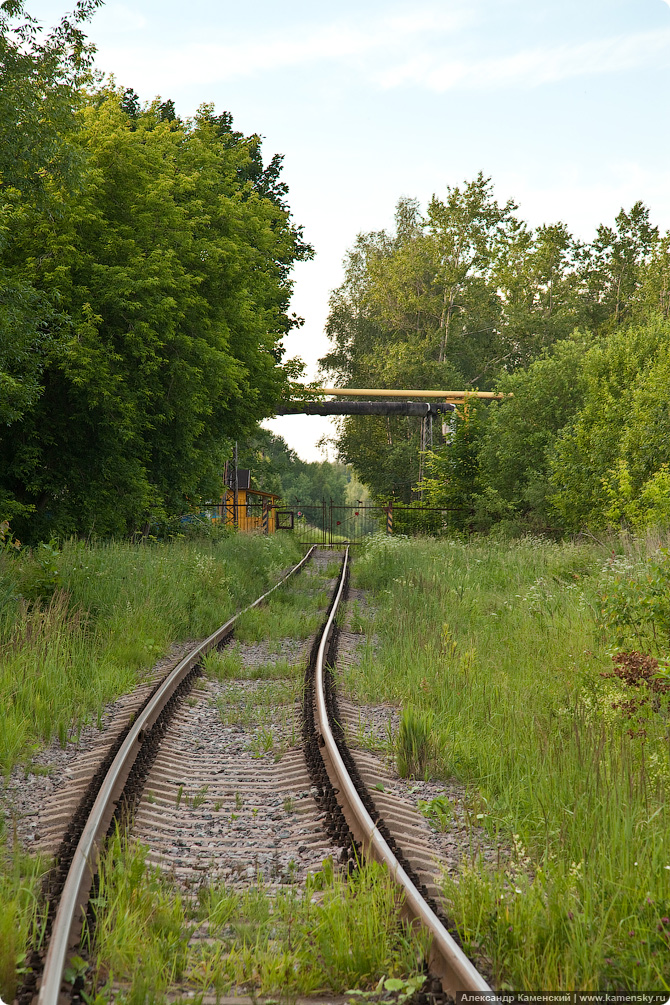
(389, 518)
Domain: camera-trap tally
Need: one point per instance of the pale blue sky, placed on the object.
(563, 104)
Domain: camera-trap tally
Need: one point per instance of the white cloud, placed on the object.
(116, 17)
(236, 57)
(531, 67)
(378, 50)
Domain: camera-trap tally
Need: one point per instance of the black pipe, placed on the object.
(420, 408)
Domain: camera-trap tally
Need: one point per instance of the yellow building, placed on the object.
(255, 510)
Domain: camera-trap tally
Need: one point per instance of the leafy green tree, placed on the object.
(521, 431)
(40, 80)
(24, 323)
(614, 266)
(622, 428)
(460, 297)
(653, 297)
(453, 472)
(541, 288)
(276, 468)
(170, 270)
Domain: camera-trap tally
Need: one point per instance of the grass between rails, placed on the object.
(496, 651)
(330, 935)
(269, 710)
(82, 625)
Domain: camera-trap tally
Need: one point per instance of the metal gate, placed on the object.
(330, 525)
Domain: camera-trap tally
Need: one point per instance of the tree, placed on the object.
(521, 431)
(40, 81)
(276, 468)
(171, 275)
(624, 414)
(540, 284)
(453, 471)
(457, 298)
(614, 265)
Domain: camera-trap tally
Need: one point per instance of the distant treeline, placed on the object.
(144, 291)
(468, 296)
(275, 467)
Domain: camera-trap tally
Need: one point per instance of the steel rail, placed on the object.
(448, 961)
(83, 866)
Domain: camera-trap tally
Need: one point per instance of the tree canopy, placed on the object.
(145, 266)
(467, 296)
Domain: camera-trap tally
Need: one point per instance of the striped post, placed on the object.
(266, 517)
(389, 518)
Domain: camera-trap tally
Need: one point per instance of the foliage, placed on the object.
(521, 430)
(276, 468)
(615, 264)
(467, 296)
(144, 289)
(608, 462)
(581, 440)
(452, 478)
(572, 791)
(40, 77)
(635, 602)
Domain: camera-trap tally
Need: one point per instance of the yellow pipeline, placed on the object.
(350, 392)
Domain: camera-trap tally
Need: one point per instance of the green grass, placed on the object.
(228, 665)
(290, 613)
(498, 651)
(112, 611)
(21, 915)
(80, 626)
(328, 936)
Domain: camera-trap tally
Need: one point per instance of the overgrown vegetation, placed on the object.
(330, 935)
(144, 291)
(81, 625)
(518, 667)
(276, 468)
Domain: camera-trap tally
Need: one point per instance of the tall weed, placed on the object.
(330, 935)
(81, 625)
(504, 646)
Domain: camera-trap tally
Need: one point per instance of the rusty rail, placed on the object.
(448, 961)
(84, 861)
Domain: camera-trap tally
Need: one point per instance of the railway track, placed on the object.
(170, 757)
